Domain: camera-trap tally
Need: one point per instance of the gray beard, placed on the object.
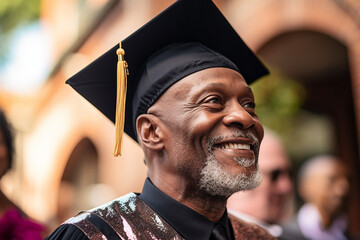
(218, 182)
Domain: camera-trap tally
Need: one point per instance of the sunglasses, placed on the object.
(276, 173)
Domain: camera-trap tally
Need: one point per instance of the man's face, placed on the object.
(276, 188)
(211, 134)
(333, 187)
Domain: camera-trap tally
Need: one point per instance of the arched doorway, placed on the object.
(80, 173)
(319, 63)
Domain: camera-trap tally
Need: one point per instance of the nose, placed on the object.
(285, 185)
(237, 116)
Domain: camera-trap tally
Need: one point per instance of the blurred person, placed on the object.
(268, 204)
(14, 224)
(323, 184)
(189, 105)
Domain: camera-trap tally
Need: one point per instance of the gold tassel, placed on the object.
(122, 72)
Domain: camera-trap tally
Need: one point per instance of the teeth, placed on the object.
(235, 146)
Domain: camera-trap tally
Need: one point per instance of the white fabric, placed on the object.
(311, 227)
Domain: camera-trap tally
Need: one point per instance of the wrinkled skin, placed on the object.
(210, 112)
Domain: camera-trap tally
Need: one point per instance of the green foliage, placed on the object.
(278, 101)
(14, 13)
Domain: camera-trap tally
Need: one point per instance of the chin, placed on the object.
(219, 182)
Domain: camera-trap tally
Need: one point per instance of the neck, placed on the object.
(211, 207)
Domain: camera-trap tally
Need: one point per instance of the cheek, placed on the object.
(200, 127)
(259, 129)
(4, 158)
(3, 151)
(185, 133)
(195, 126)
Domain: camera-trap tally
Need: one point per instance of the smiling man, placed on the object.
(190, 108)
(210, 133)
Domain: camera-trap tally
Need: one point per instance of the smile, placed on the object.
(237, 146)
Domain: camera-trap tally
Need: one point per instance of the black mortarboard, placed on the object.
(189, 36)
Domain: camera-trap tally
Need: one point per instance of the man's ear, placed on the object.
(149, 131)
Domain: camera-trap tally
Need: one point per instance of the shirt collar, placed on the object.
(187, 222)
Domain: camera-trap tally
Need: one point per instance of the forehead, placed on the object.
(272, 154)
(207, 79)
(327, 169)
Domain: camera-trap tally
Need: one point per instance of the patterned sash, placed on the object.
(127, 217)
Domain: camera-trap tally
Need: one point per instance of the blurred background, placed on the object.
(63, 157)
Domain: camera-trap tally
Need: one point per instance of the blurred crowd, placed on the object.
(322, 183)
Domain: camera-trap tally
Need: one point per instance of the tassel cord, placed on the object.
(122, 72)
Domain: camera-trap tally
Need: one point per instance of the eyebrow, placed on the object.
(219, 84)
(215, 84)
(249, 90)
(210, 87)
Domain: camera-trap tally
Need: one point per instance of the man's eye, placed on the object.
(213, 99)
(249, 105)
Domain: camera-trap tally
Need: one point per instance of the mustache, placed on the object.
(236, 134)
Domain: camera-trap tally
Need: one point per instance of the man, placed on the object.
(192, 112)
(267, 204)
(323, 185)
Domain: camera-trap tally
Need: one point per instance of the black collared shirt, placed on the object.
(187, 222)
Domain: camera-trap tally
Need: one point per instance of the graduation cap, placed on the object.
(188, 36)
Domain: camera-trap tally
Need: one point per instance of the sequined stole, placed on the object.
(245, 230)
(130, 217)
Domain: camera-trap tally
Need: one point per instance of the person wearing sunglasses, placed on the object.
(268, 204)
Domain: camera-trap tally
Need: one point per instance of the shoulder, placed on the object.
(245, 230)
(119, 218)
(86, 224)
